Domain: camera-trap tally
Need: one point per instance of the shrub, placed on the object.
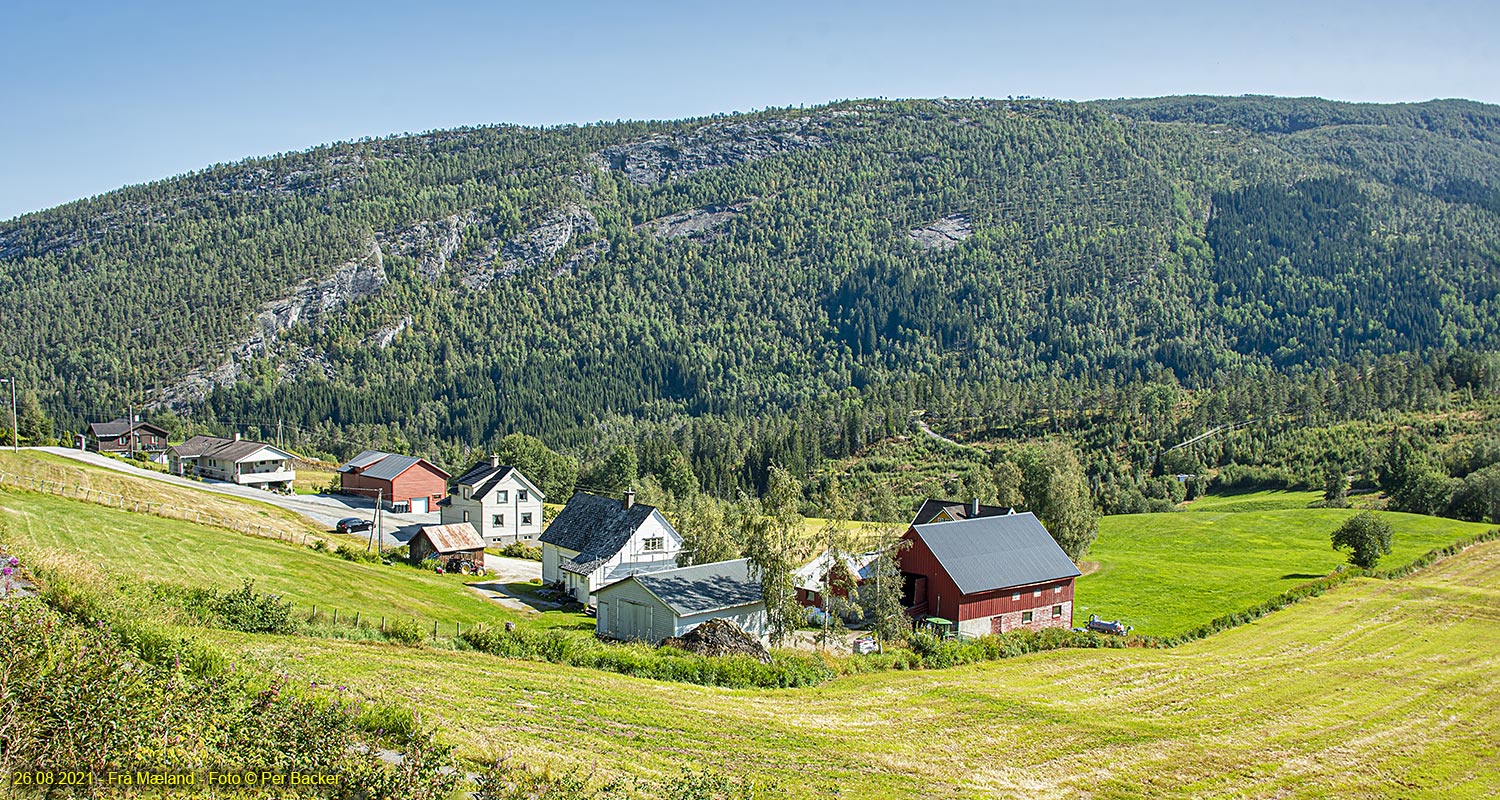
(356, 554)
(405, 631)
(245, 610)
(521, 550)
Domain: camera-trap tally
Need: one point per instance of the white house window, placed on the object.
(655, 544)
(1025, 617)
(466, 494)
(499, 519)
(502, 496)
(466, 516)
(520, 495)
(526, 518)
(1057, 612)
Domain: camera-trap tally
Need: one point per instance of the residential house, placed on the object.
(447, 543)
(596, 541)
(652, 606)
(402, 484)
(953, 510)
(234, 460)
(127, 436)
(988, 575)
(850, 570)
(500, 502)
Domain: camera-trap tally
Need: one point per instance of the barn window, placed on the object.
(499, 519)
(526, 518)
(1036, 592)
(1015, 595)
(502, 496)
(520, 495)
(1057, 612)
(654, 543)
(1057, 590)
(1025, 617)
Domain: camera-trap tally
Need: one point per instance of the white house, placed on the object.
(651, 606)
(234, 460)
(497, 500)
(596, 541)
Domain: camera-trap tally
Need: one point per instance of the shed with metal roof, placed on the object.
(404, 484)
(651, 606)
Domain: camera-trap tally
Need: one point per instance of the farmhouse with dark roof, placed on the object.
(500, 502)
(596, 541)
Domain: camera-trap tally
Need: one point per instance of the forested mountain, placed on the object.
(795, 282)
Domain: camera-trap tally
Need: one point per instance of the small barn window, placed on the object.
(1057, 590)
(1015, 595)
(502, 496)
(521, 495)
(1057, 612)
(526, 518)
(1036, 592)
(1025, 617)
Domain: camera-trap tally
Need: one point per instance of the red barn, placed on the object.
(989, 575)
(404, 484)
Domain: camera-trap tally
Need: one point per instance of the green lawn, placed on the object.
(1167, 573)
(1267, 500)
(153, 548)
(1377, 689)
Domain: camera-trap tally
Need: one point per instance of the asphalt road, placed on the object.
(323, 510)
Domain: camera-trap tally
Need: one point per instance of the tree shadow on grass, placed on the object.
(1301, 576)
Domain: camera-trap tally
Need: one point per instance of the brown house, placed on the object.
(403, 484)
(447, 543)
(126, 436)
(988, 575)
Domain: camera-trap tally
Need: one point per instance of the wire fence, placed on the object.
(88, 494)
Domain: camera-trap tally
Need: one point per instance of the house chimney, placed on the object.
(973, 508)
(236, 436)
(629, 499)
(494, 460)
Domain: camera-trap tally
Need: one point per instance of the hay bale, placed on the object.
(719, 637)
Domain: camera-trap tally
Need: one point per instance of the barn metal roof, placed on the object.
(997, 552)
(391, 466)
(702, 588)
(362, 460)
(455, 538)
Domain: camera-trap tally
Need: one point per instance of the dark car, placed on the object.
(353, 525)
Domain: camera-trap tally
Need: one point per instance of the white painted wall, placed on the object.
(503, 501)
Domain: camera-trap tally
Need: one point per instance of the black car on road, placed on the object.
(353, 525)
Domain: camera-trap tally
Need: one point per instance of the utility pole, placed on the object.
(375, 533)
(278, 433)
(15, 429)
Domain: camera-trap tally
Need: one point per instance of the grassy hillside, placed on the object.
(1378, 689)
(1167, 573)
(159, 549)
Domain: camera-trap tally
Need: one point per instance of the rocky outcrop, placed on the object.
(432, 243)
(536, 246)
(310, 301)
(944, 234)
(382, 338)
(698, 223)
(665, 157)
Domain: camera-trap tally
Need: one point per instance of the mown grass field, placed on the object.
(1377, 689)
(156, 549)
(1263, 500)
(1167, 573)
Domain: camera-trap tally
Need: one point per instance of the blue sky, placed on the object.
(99, 95)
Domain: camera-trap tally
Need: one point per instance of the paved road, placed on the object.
(321, 509)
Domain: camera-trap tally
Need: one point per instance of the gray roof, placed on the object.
(628, 568)
(483, 477)
(957, 509)
(595, 527)
(221, 448)
(382, 466)
(704, 587)
(119, 427)
(997, 552)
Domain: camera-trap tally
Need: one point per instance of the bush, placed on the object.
(405, 631)
(245, 610)
(521, 550)
(358, 555)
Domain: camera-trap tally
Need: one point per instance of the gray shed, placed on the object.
(653, 606)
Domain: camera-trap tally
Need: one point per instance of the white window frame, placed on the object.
(661, 544)
(498, 519)
(525, 518)
(521, 496)
(502, 496)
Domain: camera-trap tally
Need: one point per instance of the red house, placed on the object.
(988, 575)
(403, 484)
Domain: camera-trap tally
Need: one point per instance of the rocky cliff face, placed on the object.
(661, 158)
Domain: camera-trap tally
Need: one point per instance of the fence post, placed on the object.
(314, 614)
(335, 616)
(356, 619)
(458, 629)
(382, 624)
(434, 629)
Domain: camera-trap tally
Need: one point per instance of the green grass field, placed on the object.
(1378, 689)
(1265, 500)
(152, 548)
(1167, 573)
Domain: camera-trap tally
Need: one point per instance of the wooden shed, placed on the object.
(653, 606)
(447, 543)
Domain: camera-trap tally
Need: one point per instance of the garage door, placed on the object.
(419, 505)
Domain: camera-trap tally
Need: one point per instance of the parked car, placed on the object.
(353, 525)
